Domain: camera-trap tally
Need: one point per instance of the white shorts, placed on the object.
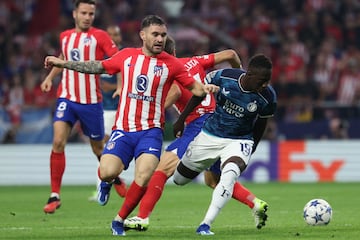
(206, 149)
(109, 121)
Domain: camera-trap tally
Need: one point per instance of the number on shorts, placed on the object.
(246, 148)
(62, 106)
(115, 135)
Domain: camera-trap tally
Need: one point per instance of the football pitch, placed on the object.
(179, 213)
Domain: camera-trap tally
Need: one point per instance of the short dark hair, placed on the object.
(260, 61)
(169, 45)
(77, 2)
(152, 20)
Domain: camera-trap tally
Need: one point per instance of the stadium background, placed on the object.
(314, 46)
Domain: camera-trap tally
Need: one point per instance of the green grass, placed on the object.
(179, 212)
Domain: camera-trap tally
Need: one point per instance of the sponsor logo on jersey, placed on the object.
(142, 83)
(75, 54)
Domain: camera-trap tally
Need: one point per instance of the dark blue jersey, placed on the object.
(236, 109)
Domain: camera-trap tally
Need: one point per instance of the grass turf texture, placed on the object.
(179, 213)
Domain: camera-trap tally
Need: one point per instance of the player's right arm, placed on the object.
(229, 56)
(91, 67)
(47, 83)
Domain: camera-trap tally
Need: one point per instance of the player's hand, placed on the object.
(178, 128)
(51, 61)
(211, 88)
(116, 93)
(46, 85)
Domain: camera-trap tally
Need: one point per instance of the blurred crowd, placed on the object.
(314, 46)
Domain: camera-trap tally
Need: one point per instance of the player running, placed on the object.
(243, 105)
(179, 96)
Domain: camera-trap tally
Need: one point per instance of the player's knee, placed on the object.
(184, 175)
(179, 179)
(168, 168)
(58, 144)
(168, 163)
(108, 172)
(230, 173)
(106, 175)
(238, 161)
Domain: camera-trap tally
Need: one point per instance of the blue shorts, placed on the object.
(90, 116)
(190, 132)
(129, 145)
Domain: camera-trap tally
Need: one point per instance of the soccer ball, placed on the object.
(317, 212)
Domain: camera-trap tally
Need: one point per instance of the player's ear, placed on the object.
(142, 35)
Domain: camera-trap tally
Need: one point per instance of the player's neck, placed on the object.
(148, 53)
(79, 30)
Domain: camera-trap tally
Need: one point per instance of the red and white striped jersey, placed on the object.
(197, 66)
(94, 44)
(146, 82)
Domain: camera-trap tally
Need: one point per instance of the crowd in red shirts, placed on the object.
(314, 46)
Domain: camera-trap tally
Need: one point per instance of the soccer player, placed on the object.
(147, 74)
(79, 94)
(109, 83)
(243, 105)
(179, 96)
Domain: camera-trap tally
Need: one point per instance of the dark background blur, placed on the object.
(314, 46)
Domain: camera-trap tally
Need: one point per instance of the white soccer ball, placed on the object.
(317, 212)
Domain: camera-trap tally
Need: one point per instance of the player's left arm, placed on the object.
(173, 95)
(267, 112)
(259, 129)
(228, 55)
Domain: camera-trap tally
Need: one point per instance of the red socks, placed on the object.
(132, 198)
(153, 194)
(243, 195)
(57, 168)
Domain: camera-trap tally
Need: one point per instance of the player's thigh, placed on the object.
(241, 148)
(201, 153)
(145, 165)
